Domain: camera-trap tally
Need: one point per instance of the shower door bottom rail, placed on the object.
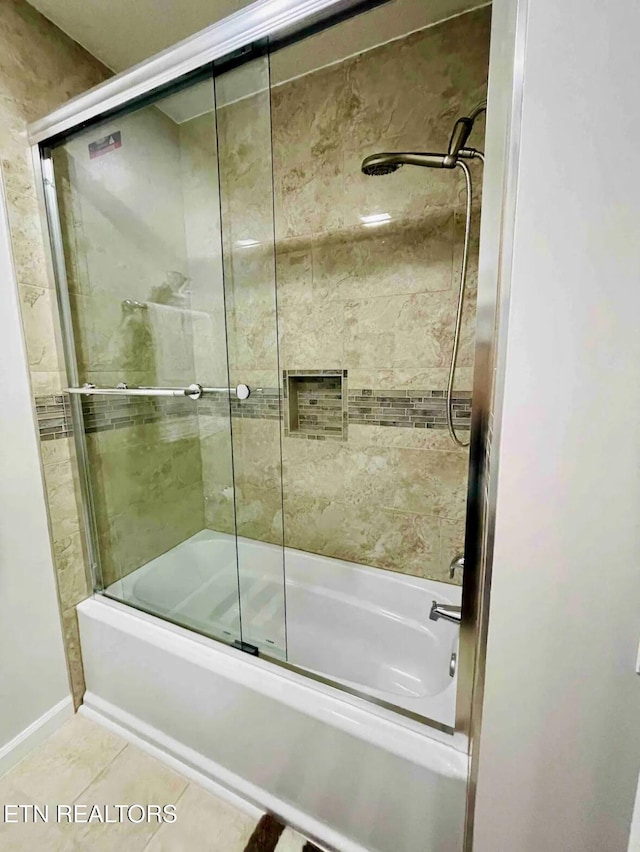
(193, 391)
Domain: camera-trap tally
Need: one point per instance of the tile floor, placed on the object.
(83, 763)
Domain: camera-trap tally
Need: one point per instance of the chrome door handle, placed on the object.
(241, 392)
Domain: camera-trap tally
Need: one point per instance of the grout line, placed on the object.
(101, 772)
(160, 826)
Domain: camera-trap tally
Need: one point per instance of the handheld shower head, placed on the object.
(386, 164)
(375, 169)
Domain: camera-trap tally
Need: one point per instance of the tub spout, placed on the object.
(445, 611)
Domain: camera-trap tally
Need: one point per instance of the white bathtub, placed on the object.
(362, 627)
(352, 775)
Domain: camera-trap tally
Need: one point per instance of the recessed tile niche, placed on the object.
(316, 404)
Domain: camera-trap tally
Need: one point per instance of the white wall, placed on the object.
(33, 674)
(560, 743)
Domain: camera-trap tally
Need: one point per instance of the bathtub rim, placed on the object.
(359, 708)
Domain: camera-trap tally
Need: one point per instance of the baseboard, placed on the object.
(37, 732)
(160, 746)
(203, 771)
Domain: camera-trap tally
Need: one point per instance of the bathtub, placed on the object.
(363, 628)
(352, 774)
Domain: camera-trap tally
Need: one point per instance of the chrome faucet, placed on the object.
(446, 612)
(456, 562)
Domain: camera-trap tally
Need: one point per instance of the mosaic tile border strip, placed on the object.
(108, 413)
(415, 409)
(263, 404)
(53, 414)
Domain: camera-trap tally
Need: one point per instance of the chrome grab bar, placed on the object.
(194, 391)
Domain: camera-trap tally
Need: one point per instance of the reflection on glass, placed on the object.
(139, 205)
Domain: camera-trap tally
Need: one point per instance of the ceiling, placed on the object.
(122, 33)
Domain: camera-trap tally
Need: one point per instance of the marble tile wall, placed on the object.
(30, 89)
(377, 301)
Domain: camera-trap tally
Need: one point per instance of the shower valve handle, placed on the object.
(456, 562)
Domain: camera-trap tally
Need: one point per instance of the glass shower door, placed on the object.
(139, 218)
(243, 114)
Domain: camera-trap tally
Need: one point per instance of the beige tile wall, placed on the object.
(379, 302)
(41, 68)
